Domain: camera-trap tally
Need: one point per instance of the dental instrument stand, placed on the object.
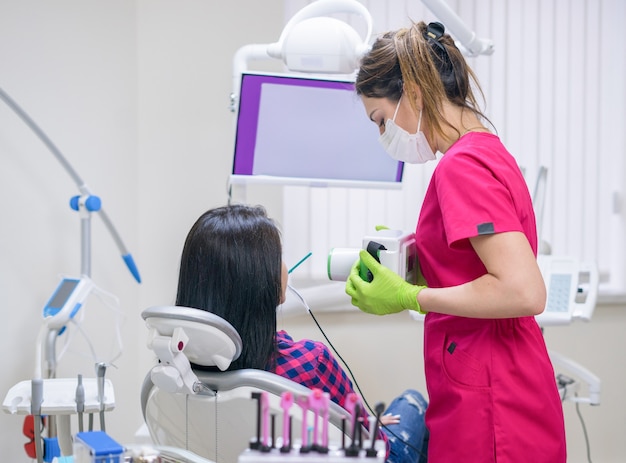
(59, 430)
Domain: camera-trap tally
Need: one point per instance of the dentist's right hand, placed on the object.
(387, 293)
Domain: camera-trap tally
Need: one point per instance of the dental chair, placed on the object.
(213, 413)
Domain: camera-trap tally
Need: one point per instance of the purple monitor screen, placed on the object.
(308, 130)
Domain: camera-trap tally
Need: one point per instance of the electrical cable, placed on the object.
(229, 192)
(582, 423)
(331, 346)
(564, 382)
(359, 387)
(356, 384)
(41, 336)
(111, 302)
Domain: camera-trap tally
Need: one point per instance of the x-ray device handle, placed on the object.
(373, 248)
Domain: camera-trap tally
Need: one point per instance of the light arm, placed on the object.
(128, 259)
(469, 44)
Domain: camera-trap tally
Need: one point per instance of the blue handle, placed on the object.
(130, 263)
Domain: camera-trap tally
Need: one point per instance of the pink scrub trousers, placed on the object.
(493, 394)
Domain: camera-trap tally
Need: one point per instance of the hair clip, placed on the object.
(434, 31)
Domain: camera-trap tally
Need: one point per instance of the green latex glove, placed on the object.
(386, 293)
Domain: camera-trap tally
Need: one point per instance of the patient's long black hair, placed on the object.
(231, 266)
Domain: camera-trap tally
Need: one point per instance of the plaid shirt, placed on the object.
(311, 364)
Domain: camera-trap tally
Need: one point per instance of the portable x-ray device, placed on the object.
(392, 248)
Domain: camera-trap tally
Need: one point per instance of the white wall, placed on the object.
(186, 130)
(135, 94)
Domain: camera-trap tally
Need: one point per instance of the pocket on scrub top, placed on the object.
(462, 368)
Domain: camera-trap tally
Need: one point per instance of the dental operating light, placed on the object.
(313, 42)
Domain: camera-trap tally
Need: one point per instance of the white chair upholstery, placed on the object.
(213, 414)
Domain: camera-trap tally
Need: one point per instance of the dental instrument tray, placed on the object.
(59, 397)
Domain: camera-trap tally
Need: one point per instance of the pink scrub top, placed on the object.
(491, 386)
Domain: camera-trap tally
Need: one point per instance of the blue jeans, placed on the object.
(408, 439)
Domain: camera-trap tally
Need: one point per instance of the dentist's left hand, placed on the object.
(387, 293)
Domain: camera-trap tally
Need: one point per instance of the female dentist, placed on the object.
(491, 385)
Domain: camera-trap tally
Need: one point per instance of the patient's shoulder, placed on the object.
(298, 348)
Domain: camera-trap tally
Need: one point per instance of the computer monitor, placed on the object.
(300, 130)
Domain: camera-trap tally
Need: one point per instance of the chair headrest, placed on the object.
(212, 340)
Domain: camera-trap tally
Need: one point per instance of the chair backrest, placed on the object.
(213, 414)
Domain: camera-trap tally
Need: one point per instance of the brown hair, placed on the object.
(420, 56)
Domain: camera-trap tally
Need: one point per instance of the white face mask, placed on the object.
(403, 146)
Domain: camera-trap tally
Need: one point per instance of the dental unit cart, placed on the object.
(57, 398)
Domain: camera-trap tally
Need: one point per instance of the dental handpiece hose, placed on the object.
(36, 398)
(80, 402)
(101, 370)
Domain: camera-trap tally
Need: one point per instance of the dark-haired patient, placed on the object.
(232, 266)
